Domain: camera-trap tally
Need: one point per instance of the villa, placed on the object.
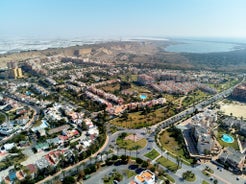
(145, 177)
(232, 158)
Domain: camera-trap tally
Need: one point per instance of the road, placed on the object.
(151, 143)
(110, 143)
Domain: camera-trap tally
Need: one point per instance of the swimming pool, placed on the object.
(227, 138)
(143, 96)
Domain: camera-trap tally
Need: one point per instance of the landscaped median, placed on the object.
(204, 182)
(189, 176)
(168, 164)
(207, 171)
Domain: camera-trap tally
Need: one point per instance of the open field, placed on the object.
(236, 108)
(138, 120)
(111, 88)
(152, 154)
(172, 146)
(193, 98)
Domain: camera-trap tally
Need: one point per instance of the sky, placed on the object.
(122, 18)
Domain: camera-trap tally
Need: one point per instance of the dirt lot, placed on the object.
(237, 109)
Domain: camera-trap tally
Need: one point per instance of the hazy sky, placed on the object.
(106, 18)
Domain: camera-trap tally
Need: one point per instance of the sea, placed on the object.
(205, 45)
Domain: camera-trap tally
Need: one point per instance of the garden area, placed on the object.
(130, 144)
(172, 141)
(222, 131)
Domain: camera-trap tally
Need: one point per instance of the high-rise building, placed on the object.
(15, 73)
(19, 73)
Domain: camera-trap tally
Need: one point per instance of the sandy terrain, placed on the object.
(237, 109)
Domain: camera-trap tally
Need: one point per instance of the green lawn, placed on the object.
(152, 154)
(210, 170)
(224, 144)
(170, 178)
(204, 182)
(131, 145)
(205, 173)
(168, 164)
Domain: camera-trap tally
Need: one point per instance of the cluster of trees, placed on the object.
(188, 175)
(218, 61)
(91, 105)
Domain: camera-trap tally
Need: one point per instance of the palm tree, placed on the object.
(167, 154)
(178, 161)
(124, 149)
(134, 135)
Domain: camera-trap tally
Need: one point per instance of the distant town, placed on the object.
(120, 112)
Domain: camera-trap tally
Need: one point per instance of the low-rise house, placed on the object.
(145, 177)
(42, 163)
(54, 141)
(6, 129)
(58, 129)
(31, 170)
(232, 158)
(41, 146)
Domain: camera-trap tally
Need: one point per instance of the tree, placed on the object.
(139, 161)
(188, 175)
(206, 152)
(179, 161)
(69, 180)
(167, 154)
(125, 115)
